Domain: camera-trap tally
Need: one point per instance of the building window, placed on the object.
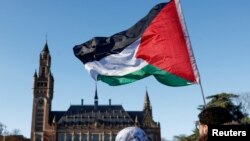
(150, 137)
(60, 137)
(95, 137)
(43, 70)
(38, 137)
(76, 137)
(68, 137)
(113, 137)
(106, 137)
(84, 137)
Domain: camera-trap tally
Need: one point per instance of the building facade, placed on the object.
(82, 122)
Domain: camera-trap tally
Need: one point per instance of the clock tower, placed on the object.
(43, 85)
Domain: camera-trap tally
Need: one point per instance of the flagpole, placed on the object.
(191, 54)
(203, 96)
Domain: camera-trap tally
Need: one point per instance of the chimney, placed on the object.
(82, 102)
(109, 102)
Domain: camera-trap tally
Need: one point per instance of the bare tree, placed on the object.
(244, 100)
(3, 129)
(16, 132)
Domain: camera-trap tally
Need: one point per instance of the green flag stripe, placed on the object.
(161, 75)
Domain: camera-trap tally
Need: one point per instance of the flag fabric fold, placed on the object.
(156, 45)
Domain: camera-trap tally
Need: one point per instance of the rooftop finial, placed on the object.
(46, 37)
(146, 96)
(96, 96)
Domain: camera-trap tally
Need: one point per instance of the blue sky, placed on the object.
(219, 32)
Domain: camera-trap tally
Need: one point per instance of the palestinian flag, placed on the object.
(156, 45)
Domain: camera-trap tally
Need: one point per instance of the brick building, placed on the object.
(81, 122)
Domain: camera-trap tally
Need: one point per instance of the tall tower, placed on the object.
(147, 104)
(147, 112)
(43, 85)
(148, 124)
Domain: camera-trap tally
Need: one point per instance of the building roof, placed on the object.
(89, 114)
(136, 114)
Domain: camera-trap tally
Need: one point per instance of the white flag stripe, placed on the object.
(117, 64)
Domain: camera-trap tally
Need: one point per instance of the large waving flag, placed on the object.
(156, 45)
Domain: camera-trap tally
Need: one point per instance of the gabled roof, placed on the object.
(138, 114)
(55, 115)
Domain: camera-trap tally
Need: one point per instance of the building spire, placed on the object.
(46, 37)
(46, 48)
(45, 61)
(96, 96)
(147, 104)
(35, 74)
